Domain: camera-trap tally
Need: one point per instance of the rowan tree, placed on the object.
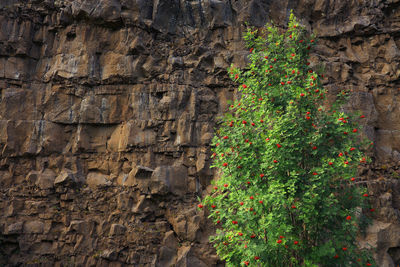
(287, 194)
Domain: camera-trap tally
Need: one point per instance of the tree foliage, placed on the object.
(287, 193)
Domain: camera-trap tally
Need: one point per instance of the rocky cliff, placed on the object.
(108, 107)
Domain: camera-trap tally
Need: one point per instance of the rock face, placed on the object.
(107, 110)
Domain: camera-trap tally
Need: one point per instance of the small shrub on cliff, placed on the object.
(287, 195)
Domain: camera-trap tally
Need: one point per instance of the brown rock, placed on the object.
(171, 178)
(66, 177)
(187, 258)
(15, 228)
(117, 229)
(46, 179)
(95, 179)
(110, 255)
(33, 227)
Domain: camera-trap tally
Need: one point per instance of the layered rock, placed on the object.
(102, 99)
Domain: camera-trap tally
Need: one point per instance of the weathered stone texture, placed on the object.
(108, 108)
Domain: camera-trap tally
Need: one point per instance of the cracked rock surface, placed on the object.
(108, 107)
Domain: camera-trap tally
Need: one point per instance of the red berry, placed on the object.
(251, 49)
(225, 137)
(251, 197)
(256, 258)
(225, 185)
(336, 256)
(200, 206)
(253, 124)
(261, 201)
(244, 86)
(234, 222)
(352, 149)
(330, 163)
(278, 145)
(354, 130)
(218, 221)
(296, 242)
(279, 241)
(314, 148)
(240, 234)
(262, 175)
(372, 210)
(307, 118)
(236, 76)
(275, 161)
(215, 187)
(225, 164)
(314, 173)
(281, 237)
(348, 218)
(282, 83)
(344, 248)
(267, 139)
(253, 236)
(213, 206)
(246, 263)
(362, 116)
(293, 206)
(346, 162)
(301, 94)
(244, 122)
(353, 179)
(365, 195)
(340, 154)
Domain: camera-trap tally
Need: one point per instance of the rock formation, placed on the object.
(108, 107)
